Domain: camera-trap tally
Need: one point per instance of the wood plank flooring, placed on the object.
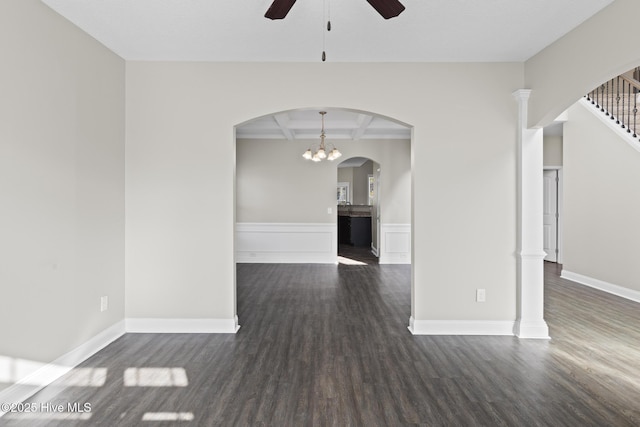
(349, 253)
(324, 345)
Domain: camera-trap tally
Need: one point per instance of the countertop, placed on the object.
(357, 211)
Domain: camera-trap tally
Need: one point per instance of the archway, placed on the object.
(598, 135)
(358, 185)
(530, 229)
(285, 206)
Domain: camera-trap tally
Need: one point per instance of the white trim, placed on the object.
(617, 290)
(560, 242)
(461, 327)
(395, 244)
(287, 243)
(622, 133)
(374, 250)
(27, 386)
(529, 240)
(536, 329)
(182, 326)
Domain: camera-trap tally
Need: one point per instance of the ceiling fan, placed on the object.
(386, 8)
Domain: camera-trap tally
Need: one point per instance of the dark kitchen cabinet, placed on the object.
(354, 230)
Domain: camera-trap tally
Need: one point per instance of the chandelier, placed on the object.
(321, 152)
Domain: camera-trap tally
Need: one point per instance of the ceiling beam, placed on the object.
(363, 123)
(282, 120)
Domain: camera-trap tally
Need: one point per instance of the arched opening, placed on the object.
(286, 208)
(358, 191)
(591, 148)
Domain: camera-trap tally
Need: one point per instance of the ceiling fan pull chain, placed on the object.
(326, 10)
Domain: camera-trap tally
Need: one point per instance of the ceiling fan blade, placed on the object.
(279, 9)
(387, 8)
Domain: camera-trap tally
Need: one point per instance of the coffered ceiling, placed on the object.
(339, 125)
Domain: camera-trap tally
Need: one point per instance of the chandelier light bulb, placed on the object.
(321, 152)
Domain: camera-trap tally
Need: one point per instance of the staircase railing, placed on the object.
(618, 99)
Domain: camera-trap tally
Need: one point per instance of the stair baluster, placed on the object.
(620, 89)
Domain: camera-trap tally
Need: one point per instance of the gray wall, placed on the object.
(601, 202)
(552, 150)
(360, 186)
(346, 175)
(62, 173)
(358, 179)
(566, 70)
(181, 157)
(275, 184)
(62, 185)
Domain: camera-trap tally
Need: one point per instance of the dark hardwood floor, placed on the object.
(356, 255)
(328, 345)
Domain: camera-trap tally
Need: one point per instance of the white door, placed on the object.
(377, 217)
(374, 200)
(551, 215)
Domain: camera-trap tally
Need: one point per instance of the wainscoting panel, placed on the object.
(286, 243)
(395, 242)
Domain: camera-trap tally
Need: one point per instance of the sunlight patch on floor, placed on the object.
(84, 377)
(167, 416)
(155, 377)
(349, 261)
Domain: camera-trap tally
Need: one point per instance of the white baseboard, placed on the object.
(460, 327)
(42, 376)
(395, 244)
(286, 243)
(26, 387)
(531, 330)
(182, 326)
(620, 291)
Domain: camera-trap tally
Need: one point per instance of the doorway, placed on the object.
(286, 208)
(551, 214)
(358, 211)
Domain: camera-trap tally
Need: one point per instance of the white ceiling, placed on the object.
(236, 30)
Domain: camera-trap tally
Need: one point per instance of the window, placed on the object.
(343, 193)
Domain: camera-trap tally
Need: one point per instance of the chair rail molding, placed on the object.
(286, 243)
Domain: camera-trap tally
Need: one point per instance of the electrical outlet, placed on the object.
(481, 295)
(104, 303)
(329, 211)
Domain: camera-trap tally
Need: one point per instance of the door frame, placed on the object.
(560, 195)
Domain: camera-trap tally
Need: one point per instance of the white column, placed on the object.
(530, 254)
